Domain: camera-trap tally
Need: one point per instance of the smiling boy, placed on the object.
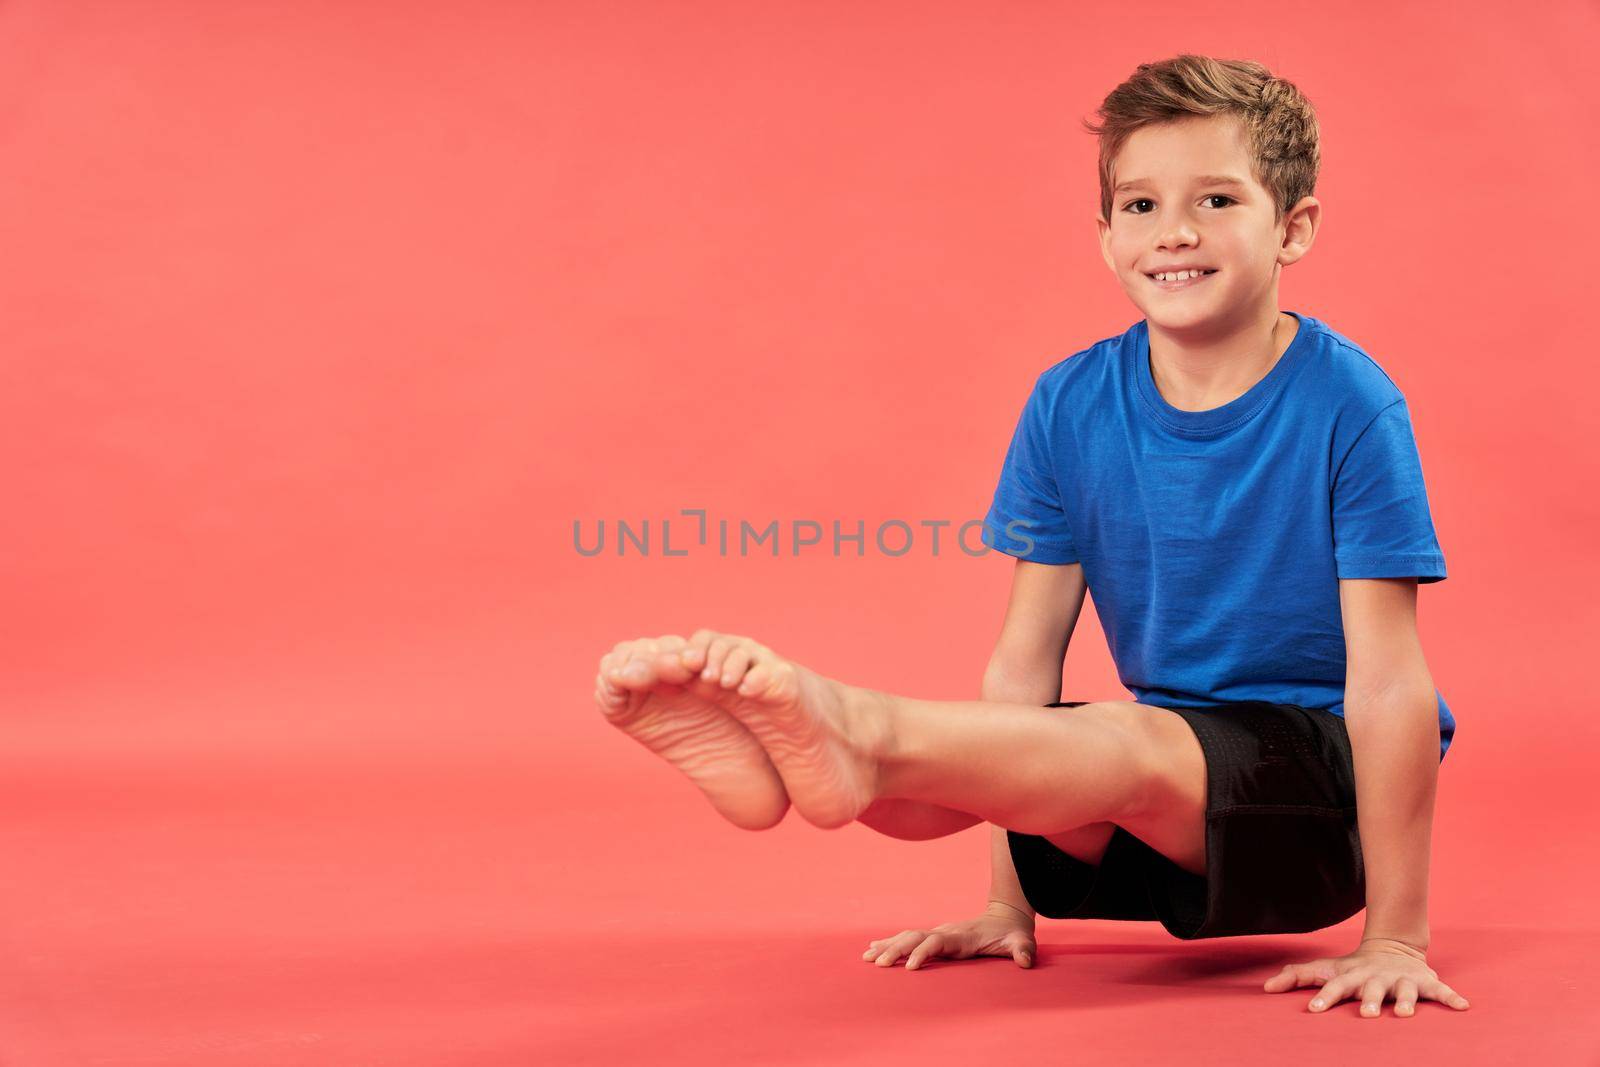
(1240, 488)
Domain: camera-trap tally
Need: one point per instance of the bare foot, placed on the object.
(645, 690)
(823, 738)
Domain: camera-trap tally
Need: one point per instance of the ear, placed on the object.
(1300, 229)
(1105, 241)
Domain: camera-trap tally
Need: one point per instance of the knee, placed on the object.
(1145, 747)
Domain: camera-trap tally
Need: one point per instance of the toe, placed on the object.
(611, 663)
(694, 653)
(770, 679)
(635, 670)
(757, 680)
(716, 652)
(734, 666)
(607, 695)
(602, 678)
(669, 666)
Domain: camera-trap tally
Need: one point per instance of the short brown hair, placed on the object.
(1280, 125)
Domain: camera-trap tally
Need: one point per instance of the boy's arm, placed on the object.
(1392, 714)
(1025, 668)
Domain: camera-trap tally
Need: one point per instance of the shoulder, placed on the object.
(1086, 371)
(1353, 391)
(1345, 375)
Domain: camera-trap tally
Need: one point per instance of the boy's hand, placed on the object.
(987, 935)
(1373, 971)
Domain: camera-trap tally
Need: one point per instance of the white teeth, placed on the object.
(1182, 275)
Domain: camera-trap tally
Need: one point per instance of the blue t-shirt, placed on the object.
(1213, 541)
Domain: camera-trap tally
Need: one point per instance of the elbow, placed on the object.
(1027, 651)
(1398, 688)
(1400, 697)
(1030, 676)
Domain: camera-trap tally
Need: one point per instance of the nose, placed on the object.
(1176, 230)
(1177, 234)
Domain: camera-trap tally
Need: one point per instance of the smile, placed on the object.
(1184, 284)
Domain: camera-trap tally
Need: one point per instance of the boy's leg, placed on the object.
(1069, 777)
(914, 820)
(1086, 843)
(838, 749)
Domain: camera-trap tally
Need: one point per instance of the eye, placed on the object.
(1128, 207)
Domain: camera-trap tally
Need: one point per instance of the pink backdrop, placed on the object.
(322, 323)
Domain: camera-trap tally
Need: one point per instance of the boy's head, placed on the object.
(1167, 134)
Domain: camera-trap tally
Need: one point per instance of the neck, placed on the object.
(1199, 371)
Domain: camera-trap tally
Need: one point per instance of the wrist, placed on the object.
(1006, 910)
(1413, 946)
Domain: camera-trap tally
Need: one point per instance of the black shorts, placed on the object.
(1283, 852)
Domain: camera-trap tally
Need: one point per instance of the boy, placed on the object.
(1241, 488)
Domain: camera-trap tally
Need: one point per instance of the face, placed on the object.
(1178, 214)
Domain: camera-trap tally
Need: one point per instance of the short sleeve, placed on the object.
(1381, 524)
(1026, 519)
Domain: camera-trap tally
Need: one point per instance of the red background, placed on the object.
(322, 323)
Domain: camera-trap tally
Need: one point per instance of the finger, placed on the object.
(1284, 980)
(874, 947)
(898, 946)
(889, 956)
(1299, 975)
(734, 666)
(1445, 995)
(1405, 997)
(907, 943)
(1373, 990)
(931, 945)
(1332, 993)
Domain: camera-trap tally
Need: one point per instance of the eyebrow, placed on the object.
(1204, 179)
